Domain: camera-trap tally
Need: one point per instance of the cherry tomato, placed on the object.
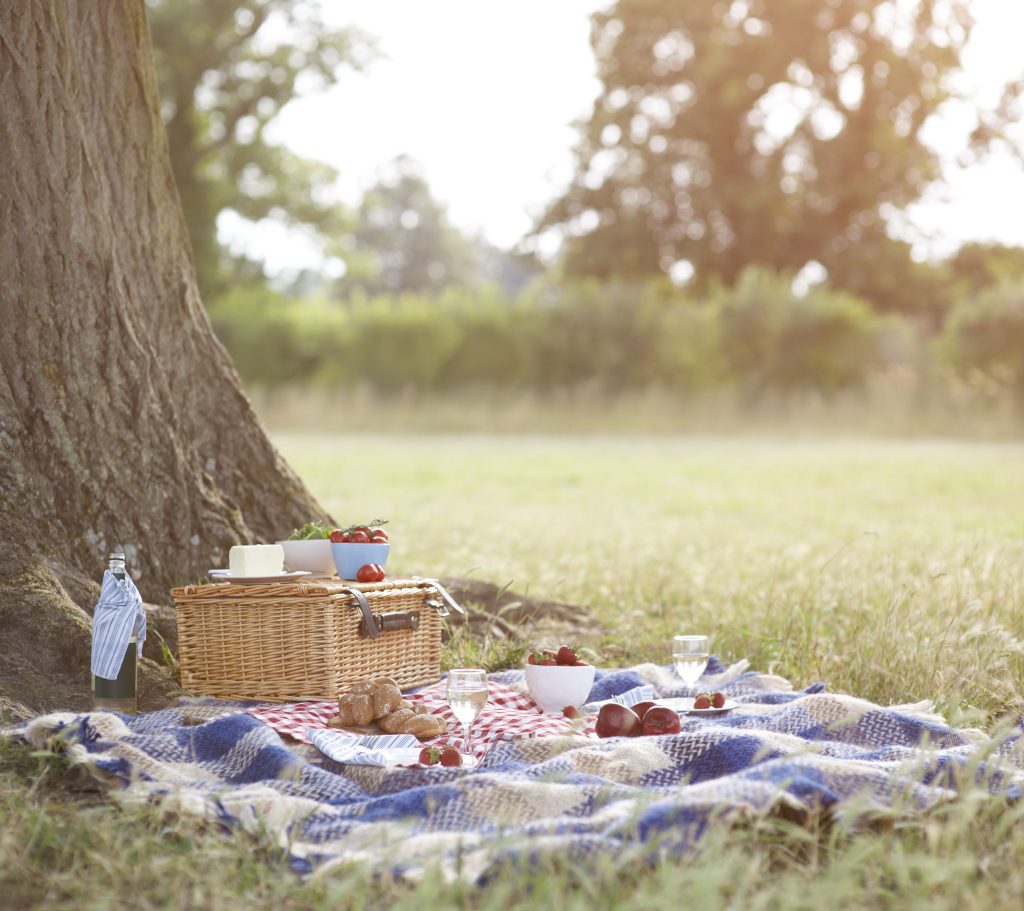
(367, 573)
(379, 536)
(337, 536)
(380, 572)
(360, 537)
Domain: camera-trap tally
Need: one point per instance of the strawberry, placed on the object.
(718, 700)
(451, 757)
(430, 756)
(570, 711)
(566, 655)
(703, 701)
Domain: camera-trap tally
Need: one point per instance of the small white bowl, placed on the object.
(553, 687)
(313, 555)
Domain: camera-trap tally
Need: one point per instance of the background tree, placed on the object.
(122, 421)
(402, 240)
(770, 132)
(226, 70)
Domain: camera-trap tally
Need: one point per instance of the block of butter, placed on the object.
(256, 560)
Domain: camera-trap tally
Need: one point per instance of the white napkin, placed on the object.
(384, 750)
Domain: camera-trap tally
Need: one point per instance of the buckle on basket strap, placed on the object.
(447, 599)
(369, 623)
(393, 620)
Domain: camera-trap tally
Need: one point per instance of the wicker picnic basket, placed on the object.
(307, 640)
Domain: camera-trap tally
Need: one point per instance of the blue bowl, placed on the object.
(349, 557)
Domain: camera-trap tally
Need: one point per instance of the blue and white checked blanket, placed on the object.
(780, 751)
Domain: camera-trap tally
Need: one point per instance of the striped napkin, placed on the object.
(629, 698)
(118, 614)
(372, 749)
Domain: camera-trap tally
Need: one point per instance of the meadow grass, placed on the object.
(891, 570)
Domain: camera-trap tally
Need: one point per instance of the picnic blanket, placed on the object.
(563, 792)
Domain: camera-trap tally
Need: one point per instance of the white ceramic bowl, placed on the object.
(554, 687)
(313, 555)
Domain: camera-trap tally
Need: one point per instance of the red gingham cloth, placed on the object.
(507, 715)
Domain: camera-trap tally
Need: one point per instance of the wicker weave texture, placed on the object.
(293, 642)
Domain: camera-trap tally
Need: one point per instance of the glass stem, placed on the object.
(467, 726)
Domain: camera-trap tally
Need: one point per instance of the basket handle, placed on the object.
(448, 599)
(369, 623)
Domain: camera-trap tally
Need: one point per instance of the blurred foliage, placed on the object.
(402, 240)
(759, 336)
(226, 69)
(775, 340)
(984, 339)
(764, 132)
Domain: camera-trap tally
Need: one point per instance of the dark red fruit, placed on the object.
(641, 709)
(660, 719)
(451, 757)
(570, 711)
(367, 573)
(616, 720)
(718, 700)
(338, 536)
(566, 655)
(430, 756)
(379, 536)
(379, 570)
(703, 701)
(360, 537)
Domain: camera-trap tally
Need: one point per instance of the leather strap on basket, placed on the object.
(369, 621)
(447, 598)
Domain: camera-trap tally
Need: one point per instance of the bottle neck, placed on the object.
(117, 567)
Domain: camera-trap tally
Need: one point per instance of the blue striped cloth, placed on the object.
(118, 614)
(371, 749)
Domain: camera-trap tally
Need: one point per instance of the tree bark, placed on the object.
(122, 420)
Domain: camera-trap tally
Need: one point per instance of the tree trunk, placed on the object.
(122, 420)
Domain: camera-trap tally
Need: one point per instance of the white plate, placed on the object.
(684, 705)
(224, 575)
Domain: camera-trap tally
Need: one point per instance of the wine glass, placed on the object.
(690, 656)
(467, 696)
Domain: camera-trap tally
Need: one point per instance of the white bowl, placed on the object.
(553, 687)
(314, 556)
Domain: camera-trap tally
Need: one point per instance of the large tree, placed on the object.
(122, 421)
(771, 132)
(226, 69)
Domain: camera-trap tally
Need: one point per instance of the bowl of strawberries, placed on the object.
(558, 678)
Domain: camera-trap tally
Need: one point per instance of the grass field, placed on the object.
(892, 570)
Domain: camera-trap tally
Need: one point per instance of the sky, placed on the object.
(484, 96)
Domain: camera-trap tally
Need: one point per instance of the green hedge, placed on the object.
(758, 336)
(983, 339)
